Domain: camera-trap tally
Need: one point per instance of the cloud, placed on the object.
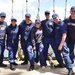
(60, 11)
(32, 1)
(19, 8)
(31, 7)
(5, 6)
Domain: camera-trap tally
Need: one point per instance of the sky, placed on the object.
(19, 8)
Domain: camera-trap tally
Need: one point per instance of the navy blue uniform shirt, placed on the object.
(60, 29)
(24, 30)
(48, 28)
(12, 35)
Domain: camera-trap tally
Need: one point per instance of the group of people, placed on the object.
(36, 38)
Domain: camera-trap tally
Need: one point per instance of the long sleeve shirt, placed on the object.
(36, 35)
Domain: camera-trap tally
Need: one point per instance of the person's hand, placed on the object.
(60, 47)
(34, 48)
(5, 47)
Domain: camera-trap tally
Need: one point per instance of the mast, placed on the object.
(22, 10)
(38, 16)
(65, 8)
(53, 6)
(12, 8)
(26, 6)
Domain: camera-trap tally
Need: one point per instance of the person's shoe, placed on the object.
(24, 63)
(59, 66)
(12, 67)
(72, 61)
(36, 64)
(70, 72)
(46, 64)
(31, 67)
(3, 65)
(15, 64)
(43, 67)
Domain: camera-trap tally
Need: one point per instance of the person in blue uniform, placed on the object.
(25, 29)
(70, 21)
(36, 45)
(61, 42)
(12, 32)
(49, 35)
(3, 26)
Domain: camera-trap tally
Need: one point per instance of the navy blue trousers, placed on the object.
(25, 52)
(2, 47)
(65, 53)
(39, 54)
(51, 41)
(12, 53)
(72, 52)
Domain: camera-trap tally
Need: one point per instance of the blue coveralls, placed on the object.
(49, 37)
(3, 26)
(60, 29)
(25, 37)
(36, 40)
(71, 36)
(12, 41)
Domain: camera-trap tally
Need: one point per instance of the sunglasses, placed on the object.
(27, 17)
(54, 18)
(72, 11)
(2, 16)
(46, 13)
(37, 23)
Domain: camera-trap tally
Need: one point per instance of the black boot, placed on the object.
(15, 64)
(24, 63)
(72, 61)
(31, 67)
(59, 66)
(12, 67)
(2, 65)
(70, 72)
